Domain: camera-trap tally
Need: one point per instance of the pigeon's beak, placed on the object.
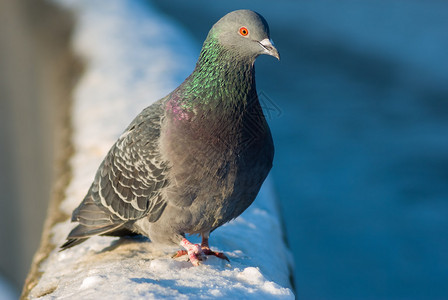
(268, 46)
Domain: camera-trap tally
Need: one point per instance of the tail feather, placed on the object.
(71, 242)
(81, 233)
(93, 219)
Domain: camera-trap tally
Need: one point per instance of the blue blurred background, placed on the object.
(361, 165)
(360, 124)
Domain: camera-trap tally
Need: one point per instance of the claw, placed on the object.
(220, 255)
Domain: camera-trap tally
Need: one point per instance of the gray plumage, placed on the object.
(195, 159)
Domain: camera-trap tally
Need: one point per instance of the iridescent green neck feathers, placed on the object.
(221, 80)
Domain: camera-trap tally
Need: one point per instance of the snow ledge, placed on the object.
(134, 56)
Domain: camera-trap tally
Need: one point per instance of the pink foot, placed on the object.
(194, 251)
(197, 253)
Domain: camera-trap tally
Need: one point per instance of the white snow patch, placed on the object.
(91, 281)
(251, 275)
(134, 56)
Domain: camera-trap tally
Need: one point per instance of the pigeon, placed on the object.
(193, 160)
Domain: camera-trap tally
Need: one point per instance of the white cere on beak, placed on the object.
(269, 48)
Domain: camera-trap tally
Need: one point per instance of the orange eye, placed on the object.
(244, 31)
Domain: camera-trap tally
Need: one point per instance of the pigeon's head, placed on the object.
(245, 33)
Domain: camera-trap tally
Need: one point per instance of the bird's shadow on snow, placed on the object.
(192, 290)
(144, 280)
(125, 240)
(135, 246)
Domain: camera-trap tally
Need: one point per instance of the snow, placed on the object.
(134, 56)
